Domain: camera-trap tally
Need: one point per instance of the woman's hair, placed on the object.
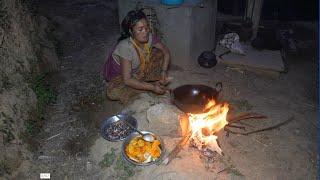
(129, 21)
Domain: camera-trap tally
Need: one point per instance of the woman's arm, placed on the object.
(164, 75)
(134, 83)
(166, 54)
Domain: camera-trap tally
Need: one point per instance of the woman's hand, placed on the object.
(158, 89)
(164, 78)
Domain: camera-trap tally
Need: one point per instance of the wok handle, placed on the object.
(218, 86)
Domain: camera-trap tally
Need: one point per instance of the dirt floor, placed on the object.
(70, 146)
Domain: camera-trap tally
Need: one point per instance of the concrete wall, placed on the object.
(203, 24)
(188, 29)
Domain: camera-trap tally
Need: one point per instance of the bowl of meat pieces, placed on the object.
(115, 129)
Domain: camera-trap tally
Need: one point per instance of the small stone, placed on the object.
(44, 157)
(76, 108)
(89, 166)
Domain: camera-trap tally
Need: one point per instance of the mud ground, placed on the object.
(70, 147)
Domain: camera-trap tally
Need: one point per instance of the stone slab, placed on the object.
(265, 60)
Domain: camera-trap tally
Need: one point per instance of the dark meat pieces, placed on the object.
(117, 130)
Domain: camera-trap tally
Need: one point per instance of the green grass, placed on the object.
(4, 168)
(108, 158)
(6, 85)
(233, 170)
(45, 95)
(124, 170)
(4, 17)
(6, 128)
(33, 126)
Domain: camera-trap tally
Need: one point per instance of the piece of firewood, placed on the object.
(246, 116)
(234, 126)
(259, 130)
(177, 149)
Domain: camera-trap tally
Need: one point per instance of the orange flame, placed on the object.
(203, 126)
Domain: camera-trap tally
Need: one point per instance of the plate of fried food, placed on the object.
(140, 152)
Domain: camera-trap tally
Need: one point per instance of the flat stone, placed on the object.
(164, 113)
(264, 60)
(141, 104)
(164, 119)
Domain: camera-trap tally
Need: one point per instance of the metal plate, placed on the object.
(112, 126)
(135, 134)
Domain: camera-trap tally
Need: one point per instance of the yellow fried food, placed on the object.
(140, 150)
(141, 142)
(155, 144)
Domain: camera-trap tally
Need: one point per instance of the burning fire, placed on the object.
(203, 126)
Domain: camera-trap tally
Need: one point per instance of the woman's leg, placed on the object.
(117, 90)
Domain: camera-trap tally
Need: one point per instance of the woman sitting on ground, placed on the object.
(138, 63)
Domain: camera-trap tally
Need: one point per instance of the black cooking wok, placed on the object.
(193, 98)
